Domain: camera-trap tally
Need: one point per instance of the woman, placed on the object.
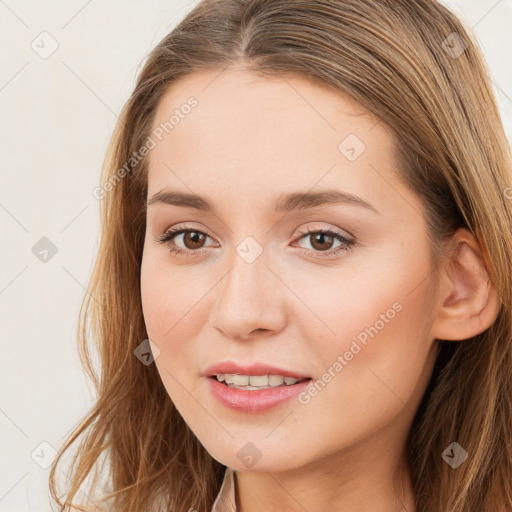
(302, 298)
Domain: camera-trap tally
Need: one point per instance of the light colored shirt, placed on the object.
(226, 499)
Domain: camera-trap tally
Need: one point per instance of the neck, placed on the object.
(367, 476)
(317, 491)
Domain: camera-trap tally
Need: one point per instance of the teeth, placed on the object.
(275, 380)
(258, 380)
(237, 381)
(240, 380)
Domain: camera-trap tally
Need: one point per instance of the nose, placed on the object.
(250, 301)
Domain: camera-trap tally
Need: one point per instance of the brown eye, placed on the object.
(321, 241)
(192, 243)
(193, 239)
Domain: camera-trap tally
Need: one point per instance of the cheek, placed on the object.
(172, 309)
(380, 303)
(380, 356)
(174, 305)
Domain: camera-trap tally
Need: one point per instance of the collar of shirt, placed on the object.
(226, 499)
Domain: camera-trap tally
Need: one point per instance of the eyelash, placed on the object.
(171, 233)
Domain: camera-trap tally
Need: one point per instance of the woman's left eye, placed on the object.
(322, 236)
(194, 237)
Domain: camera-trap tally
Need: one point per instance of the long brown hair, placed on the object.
(412, 63)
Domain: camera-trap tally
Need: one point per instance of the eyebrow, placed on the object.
(285, 202)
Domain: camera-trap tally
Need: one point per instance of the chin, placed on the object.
(257, 457)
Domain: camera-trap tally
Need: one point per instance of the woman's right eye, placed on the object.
(191, 237)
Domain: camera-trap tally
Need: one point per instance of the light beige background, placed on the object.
(57, 114)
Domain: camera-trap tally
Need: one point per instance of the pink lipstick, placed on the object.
(255, 387)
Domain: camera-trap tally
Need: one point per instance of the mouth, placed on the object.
(251, 393)
(256, 382)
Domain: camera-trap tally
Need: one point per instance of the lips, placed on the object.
(255, 401)
(231, 367)
(249, 399)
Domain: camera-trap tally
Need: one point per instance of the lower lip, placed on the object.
(246, 400)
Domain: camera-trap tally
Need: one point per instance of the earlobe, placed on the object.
(468, 301)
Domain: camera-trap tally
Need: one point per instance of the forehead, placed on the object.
(262, 134)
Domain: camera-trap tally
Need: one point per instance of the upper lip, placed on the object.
(231, 367)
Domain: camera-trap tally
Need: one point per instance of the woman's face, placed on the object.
(347, 309)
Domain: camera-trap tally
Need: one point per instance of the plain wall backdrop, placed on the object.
(66, 69)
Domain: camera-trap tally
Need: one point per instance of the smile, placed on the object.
(255, 382)
(255, 399)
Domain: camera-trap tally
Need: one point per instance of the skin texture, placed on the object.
(248, 140)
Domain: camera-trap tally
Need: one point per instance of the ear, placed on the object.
(468, 302)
